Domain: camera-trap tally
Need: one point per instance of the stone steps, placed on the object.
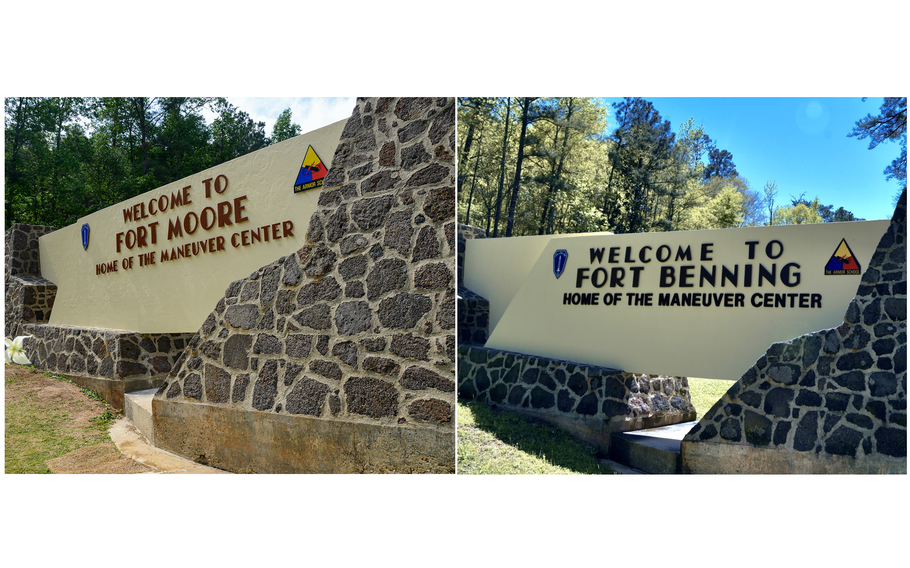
(137, 407)
(654, 450)
(134, 436)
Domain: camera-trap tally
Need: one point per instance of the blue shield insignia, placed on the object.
(85, 237)
(559, 261)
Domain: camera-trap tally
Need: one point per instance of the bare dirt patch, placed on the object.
(100, 458)
(51, 426)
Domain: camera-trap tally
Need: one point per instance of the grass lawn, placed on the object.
(47, 417)
(502, 442)
(705, 392)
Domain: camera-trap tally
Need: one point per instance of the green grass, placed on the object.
(37, 431)
(705, 392)
(502, 442)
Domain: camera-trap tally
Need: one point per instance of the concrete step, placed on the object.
(620, 468)
(135, 446)
(137, 407)
(655, 450)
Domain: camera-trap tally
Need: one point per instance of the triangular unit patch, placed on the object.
(842, 261)
(312, 172)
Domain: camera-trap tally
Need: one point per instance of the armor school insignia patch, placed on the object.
(85, 231)
(842, 261)
(312, 172)
(559, 262)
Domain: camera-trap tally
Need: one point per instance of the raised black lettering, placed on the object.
(580, 276)
(686, 273)
(770, 247)
(751, 245)
(709, 276)
(789, 276)
(706, 250)
(667, 276)
(765, 274)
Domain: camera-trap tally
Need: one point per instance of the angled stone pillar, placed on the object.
(833, 401)
(339, 358)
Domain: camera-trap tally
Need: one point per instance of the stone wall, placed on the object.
(473, 309)
(29, 297)
(833, 401)
(21, 255)
(354, 334)
(108, 361)
(589, 401)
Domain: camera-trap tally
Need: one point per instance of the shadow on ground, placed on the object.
(536, 438)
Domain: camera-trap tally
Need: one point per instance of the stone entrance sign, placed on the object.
(157, 263)
(701, 303)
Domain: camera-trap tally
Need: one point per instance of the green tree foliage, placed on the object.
(801, 210)
(640, 157)
(889, 125)
(561, 159)
(284, 128)
(67, 157)
(724, 210)
(800, 213)
(720, 164)
(831, 215)
(234, 133)
(720, 205)
(585, 167)
(45, 147)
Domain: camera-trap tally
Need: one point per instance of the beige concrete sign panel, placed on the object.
(159, 262)
(497, 276)
(694, 303)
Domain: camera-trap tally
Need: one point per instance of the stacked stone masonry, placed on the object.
(107, 353)
(106, 360)
(836, 393)
(623, 401)
(473, 317)
(29, 297)
(473, 309)
(359, 324)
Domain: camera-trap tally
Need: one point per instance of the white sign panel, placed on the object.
(159, 262)
(698, 303)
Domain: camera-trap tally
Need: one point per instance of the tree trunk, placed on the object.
(467, 220)
(525, 105)
(502, 170)
(549, 206)
(464, 155)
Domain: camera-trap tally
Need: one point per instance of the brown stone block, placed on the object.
(431, 410)
(371, 397)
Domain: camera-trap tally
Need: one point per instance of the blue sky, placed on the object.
(800, 143)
